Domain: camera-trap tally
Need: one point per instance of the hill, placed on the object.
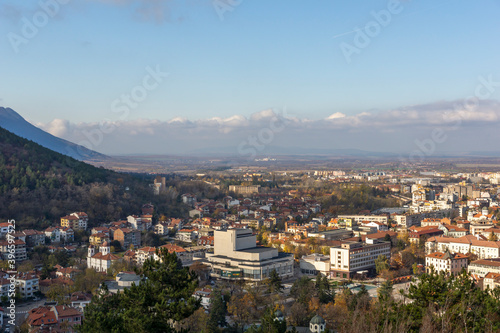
(13, 122)
(38, 186)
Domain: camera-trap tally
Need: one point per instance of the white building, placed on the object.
(315, 263)
(27, 284)
(352, 257)
(236, 255)
(467, 244)
(102, 260)
(446, 262)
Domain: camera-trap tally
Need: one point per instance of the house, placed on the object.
(27, 284)
(127, 237)
(67, 235)
(139, 223)
(423, 234)
(185, 256)
(491, 281)
(482, 267)
(98, 238)
(451, 264)
(185, 235)
(68, 272)
(122, 281)
(75, 221)
(54, 234)
(161, 228)
(34, 237)
(102, 260)
(54, 318)
(19, 252)
(144, 253)
(80, 300)
(204, 295)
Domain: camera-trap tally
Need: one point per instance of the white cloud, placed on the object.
(376, 128)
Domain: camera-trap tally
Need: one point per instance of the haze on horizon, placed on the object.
(171, 76)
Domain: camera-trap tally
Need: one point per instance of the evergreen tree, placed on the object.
(218, 311)
(163, 298)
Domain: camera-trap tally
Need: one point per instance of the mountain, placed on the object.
(13, 122)
(38, 186)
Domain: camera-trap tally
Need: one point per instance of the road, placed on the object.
(22, 309)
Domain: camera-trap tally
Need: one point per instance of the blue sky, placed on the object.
(259, 55)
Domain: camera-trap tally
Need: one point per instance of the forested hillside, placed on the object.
(38, 186)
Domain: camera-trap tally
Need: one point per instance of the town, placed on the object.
(304, 244)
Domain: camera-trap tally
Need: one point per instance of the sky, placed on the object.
(171, 76)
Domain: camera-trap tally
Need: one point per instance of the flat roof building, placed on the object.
(236, 255)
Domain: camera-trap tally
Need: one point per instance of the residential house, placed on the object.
(34, 237)
(67, 235)
(451, 264)
(27, 284)
(54, 318)
(127, 237)
(54, 234)
(19, 251)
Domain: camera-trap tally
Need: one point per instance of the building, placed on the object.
(446, 262)
(67, 235)
(102, 260)
(236, 255)
(491, 281)
(356, 257)
(27, 283)
(55, 318)
(34, 237)
(315, 263)
(466, 244)
(19, 251)
(357, 219)
(80, 300)
(244, 190)
(123, 281)
(482, 267)
(127, 237)
(54, 234)
(75, 221)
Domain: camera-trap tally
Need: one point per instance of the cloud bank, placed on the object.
(468, 126)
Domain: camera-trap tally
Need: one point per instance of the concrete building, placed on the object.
(353, 257)
(366, 218)
(314, 264)
(245, 190)
(236, 255)
(482, 267)
(446, 262)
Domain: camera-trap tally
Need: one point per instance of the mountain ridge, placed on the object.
(15, 123)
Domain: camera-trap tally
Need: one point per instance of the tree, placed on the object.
(324, 291)
(274, 282)
(381, 263)
(385, 292)
(162, 299)
(218, 311)
(302, 290)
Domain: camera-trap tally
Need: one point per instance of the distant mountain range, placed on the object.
(13, 122)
